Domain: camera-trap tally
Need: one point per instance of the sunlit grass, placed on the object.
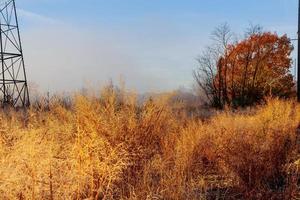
(111, 147)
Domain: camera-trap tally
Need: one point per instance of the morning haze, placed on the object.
(151, 44)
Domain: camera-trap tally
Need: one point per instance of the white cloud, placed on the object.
(37, 18)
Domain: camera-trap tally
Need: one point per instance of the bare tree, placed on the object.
(209, 65)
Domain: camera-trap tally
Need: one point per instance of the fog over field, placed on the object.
(153, 50)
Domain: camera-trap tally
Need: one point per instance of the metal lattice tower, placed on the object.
(13, 81)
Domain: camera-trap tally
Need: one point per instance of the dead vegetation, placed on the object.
(113, 148)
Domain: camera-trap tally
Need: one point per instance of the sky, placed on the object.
(151, 45)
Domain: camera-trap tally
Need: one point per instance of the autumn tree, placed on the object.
(244, 72)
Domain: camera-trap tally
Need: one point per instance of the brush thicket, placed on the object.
(112, 147)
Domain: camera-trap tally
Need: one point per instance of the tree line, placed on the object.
(243, 72)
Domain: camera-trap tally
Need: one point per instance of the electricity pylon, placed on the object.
(13, 81)
(298, 59)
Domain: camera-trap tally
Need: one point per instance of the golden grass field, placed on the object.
(111, 147)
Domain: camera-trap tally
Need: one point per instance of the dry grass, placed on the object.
(112, 148)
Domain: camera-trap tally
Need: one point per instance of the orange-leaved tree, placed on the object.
(247, 71)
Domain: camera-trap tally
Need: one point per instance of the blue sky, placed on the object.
(151, 44)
